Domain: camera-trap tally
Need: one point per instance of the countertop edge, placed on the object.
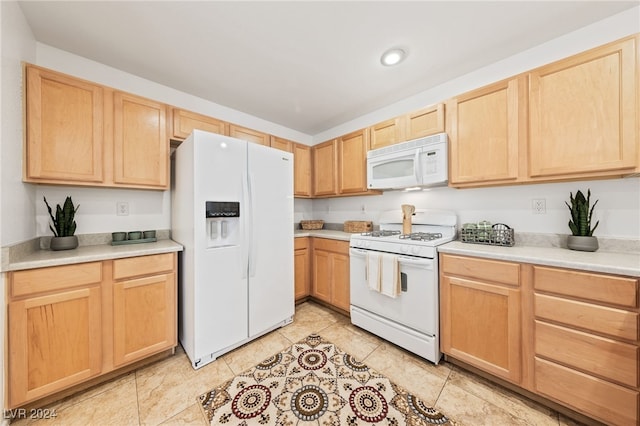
(94, 253)
(627, 264)
(323, 233)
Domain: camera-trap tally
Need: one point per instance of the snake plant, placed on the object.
(63, 221)
(580, 223)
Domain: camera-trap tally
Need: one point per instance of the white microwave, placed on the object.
(416, 163)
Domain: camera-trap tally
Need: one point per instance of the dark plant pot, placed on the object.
(575, 242)
(64, 243)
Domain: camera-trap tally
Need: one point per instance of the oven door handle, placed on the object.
(425, 263)
(357, 252)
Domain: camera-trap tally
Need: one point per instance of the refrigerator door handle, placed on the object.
(253, 254)
(245, 228)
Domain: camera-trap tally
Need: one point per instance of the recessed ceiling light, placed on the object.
(392, 57)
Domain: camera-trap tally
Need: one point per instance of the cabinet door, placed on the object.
(388, 132)
(325, 164)
(141, 145)
(249, 135)
(486, 134)
(340, 282)
(302, 170)
(185, 122)
(352, 164)
(322, 275)
(583, 113)
(64, 128)
(281, 144)
(425, 122)
(55, 341)
(144, 316)
(481, 325)
(302, 269)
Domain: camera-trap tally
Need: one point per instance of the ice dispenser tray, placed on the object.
(223, 223)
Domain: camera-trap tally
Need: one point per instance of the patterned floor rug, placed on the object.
(314, 382)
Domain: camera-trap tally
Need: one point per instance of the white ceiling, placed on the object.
(308, 66)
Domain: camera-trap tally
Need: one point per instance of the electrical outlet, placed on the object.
(539, 206)
(122, 208)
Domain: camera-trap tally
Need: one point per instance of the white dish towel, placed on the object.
(373, 270)
(390, 276)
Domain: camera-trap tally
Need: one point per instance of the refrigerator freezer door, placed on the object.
(221, 317)
(271, 288)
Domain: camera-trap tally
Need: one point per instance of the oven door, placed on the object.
(417, 305)
(395, 170)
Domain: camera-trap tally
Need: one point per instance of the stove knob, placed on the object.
(415, 250)
(404, 249)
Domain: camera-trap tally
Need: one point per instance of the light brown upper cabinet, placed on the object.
(417, 124)
(425, 122)
(64, 128)
(140, 143)
(583, 114)
(80, 133)
(325, 160)
(302, 168)
(281, 144)
(249, 135)
(352, 162)
(487, 132)
(388, 132)
(340, 166)
(301, 165)
(184, 122)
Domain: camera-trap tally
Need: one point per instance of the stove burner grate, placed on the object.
(421, 236)
(381, 233)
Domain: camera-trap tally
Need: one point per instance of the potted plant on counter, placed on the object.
(580, 223)
(64, 225)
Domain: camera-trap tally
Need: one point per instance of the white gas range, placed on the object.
(408, 314)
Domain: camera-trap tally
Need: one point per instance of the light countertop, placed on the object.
(91, 253)
(323, 233)
(609, 262)
(598, 261)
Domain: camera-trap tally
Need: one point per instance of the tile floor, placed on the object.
(165, 392)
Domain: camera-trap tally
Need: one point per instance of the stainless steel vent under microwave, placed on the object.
(420, 162)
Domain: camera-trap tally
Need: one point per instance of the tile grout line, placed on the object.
(442, 388)
(135, 378)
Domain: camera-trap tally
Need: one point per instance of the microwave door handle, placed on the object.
(416, 167)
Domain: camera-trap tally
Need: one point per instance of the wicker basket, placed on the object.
(358, 226)
(498, 235)
(311, 224)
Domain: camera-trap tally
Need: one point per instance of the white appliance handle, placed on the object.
(416, 166)
(253, 254)
(424, 262)
(358, 252)
(244, 264)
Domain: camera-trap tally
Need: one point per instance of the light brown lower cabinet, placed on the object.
(330, 277)
(576, 333)
(302, 262)
(481, 316)
(68, 324)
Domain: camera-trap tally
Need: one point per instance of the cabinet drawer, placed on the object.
(300, 243)
(601, 319)
(603, 357)
(336, 246)
(482, 269)
(142, 265)
(38, 280)
(610, 403)
(585, 285)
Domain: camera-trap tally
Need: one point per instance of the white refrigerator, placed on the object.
(232, 210)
